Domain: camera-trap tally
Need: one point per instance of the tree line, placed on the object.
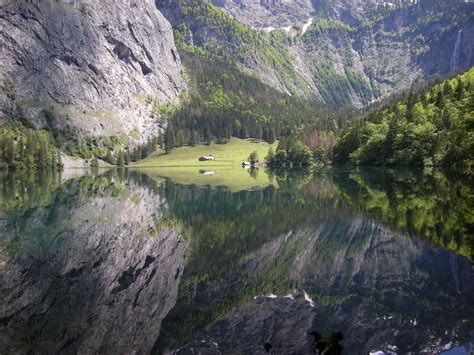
(224, 101)
(432, 127)
(21, 148)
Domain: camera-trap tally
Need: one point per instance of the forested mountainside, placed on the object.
(223, 102)
(353, 52)
(206, 29)
(431, 127)
(103, 82)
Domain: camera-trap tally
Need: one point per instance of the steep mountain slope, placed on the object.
(353, 52)
(90, 62)
(206, 29)
(387, 51)
(86, 70)
(242, 82)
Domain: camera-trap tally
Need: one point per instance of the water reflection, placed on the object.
(84, 270)
(121, 261)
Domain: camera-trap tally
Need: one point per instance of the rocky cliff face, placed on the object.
(353, 63)
(353, 52)
(94, 62)
(268, 13)
(90, 273)
(281, 322)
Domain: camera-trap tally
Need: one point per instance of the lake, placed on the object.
(130, 261)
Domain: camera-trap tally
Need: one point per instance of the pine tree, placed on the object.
(258, 131)
(459, 90)
(169, 140)
(30, 150)
(42, 157)
(447, 89)
(59, 162)
(9, 151)
(194, 138)
(271, 135)
(270, 156)
(208, 136)
(126, 158)
(20, 147)
(120, 159)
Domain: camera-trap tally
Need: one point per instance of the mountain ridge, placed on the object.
(356, 52)
(102, 81)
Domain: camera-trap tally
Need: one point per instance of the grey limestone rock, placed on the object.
(95, 62)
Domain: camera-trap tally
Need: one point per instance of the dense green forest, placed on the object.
(27, 149)
(225, 101)
(291, 152)
(226, 98)
(22, 147)
(426, 128)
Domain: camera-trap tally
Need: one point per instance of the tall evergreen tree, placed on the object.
(120, 159)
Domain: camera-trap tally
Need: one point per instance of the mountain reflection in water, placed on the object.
(123, 262)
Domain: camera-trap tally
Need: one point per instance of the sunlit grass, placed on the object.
(229, 154)
(182, 165)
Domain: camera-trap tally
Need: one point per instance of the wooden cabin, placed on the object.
(207, 158)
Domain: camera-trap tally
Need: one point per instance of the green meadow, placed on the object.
(182, 165)
(229, 154)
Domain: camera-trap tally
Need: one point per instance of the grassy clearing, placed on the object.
(230, 154)
(182, 165)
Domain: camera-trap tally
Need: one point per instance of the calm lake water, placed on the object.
(127, 262)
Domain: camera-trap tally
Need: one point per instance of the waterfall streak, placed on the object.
(455, 57)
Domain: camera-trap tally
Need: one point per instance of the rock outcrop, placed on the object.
(280, 323)
(268, 13)
(352, 63)
(94, 63)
